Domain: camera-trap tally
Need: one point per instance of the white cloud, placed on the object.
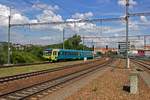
(46, 38)
(143, 19)
(34, 21)
(81, 26)
(16, 17)
(88, 27)
(115, 30)
(82, 15)
(133, 25)
(4, 10)
(131, 3)
(49, 16)
(42, 6)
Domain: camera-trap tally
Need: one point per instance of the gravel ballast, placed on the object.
(109, 86)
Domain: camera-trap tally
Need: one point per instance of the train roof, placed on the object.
(71, 50)
(48, 49)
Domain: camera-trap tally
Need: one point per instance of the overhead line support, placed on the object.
(8, 42)
(140, 14)
(127, 31)
(70, 22)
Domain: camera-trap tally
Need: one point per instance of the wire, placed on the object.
(140, 14)
(66, 22)
(119, 36)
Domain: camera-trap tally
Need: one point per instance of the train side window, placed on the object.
(69, 53)
(74, 53)
(66, 53)
(78, 53)
(63, 53)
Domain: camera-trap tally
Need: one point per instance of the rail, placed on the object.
(37, 88)
(24, 75)
(142, 63)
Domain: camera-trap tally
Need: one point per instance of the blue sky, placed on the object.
(27, 11)
(69, 7)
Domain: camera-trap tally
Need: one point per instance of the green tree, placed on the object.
(75, 43)
(54, 46)
(35, 50)
(71, 43)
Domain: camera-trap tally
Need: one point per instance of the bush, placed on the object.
(3, 54)
(23, 57)
(3, 58)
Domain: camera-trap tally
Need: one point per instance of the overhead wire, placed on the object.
(67, 22)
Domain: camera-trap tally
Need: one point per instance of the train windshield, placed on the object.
(54, 52)
(47, 52)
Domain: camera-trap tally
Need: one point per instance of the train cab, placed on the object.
(47, 54)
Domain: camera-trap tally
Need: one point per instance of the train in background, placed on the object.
(140, 53)
(67, 54)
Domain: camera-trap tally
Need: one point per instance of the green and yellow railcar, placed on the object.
(65, 54)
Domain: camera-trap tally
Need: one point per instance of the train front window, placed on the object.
(47, 52)
(54, 53)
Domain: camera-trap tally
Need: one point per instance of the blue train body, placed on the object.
(74, 54)
(65, 54)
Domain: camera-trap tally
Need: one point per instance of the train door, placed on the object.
(54, 55)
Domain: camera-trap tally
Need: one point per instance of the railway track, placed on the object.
(25, 75)
(28, 64)
(34, 89)
(22, 65)
(143, 64)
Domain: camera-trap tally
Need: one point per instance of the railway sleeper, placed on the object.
(13, 97)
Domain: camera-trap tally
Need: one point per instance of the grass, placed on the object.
(26, 69)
